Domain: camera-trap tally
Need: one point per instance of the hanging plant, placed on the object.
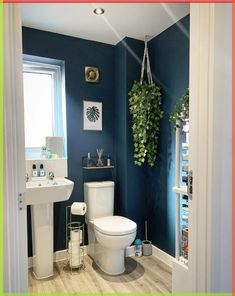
(145, 109)
(181, 111)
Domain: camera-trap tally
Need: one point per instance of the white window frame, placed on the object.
(59, 106)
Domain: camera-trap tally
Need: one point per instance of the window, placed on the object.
(44, 105)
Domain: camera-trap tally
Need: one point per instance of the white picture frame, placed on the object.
(92, 116)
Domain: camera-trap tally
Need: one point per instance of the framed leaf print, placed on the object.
(92, 115)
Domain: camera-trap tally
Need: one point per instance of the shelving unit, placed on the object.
(181, 240)
(180, 273)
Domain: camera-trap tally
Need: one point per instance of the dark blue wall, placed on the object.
(78, 53)
(120, 129)
(145, 193)
(169, 54)
(130, 180)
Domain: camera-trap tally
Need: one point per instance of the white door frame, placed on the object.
(209, 264)
(210, 217)
(15, 220)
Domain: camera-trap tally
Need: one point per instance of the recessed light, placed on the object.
(98, 11)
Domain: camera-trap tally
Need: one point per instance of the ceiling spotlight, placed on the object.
(98, 11)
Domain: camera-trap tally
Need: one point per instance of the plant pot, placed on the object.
(147, 247)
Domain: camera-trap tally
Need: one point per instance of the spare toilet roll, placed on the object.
(76, 236)
(74, 254)
(78, 208)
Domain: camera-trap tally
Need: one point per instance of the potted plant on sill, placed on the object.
(181, 111)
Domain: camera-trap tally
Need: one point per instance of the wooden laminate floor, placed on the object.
(145, 274)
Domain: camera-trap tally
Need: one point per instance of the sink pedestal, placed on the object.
(41, 195)
(42, 232)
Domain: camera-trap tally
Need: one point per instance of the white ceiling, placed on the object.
(119, 20)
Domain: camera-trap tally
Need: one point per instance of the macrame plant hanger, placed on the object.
(147, 63)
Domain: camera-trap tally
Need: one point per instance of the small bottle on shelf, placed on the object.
(185, 157)
(185, 197)
(185, 209)
(48, 153)
(185, 168)
(89, 162)
(108, 161)
(43, 152)
(185, 146)
(185, 179)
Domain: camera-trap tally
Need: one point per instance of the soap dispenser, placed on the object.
(35, 172)
(42, 172)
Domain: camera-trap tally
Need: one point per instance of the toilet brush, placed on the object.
(146, 229)
(146, 244)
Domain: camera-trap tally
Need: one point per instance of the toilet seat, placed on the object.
(115, 225)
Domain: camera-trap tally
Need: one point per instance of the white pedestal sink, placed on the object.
(41, 195)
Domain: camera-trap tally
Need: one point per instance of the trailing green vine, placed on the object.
(181, 111)
(145, 108)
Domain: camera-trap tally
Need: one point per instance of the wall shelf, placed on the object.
(93, 160)
(98, 168)
(93, 173)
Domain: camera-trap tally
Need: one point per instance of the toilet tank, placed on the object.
(99, 197)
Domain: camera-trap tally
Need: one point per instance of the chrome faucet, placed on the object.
(27, 177)
(51, 176)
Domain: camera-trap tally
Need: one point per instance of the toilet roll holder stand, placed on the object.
(74, 242)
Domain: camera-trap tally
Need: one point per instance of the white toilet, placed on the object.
(108, 235)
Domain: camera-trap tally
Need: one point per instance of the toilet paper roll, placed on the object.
(78, 208)
(76, 236)
(74, 254)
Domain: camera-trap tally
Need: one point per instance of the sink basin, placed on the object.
(48, 191)
(41, 195)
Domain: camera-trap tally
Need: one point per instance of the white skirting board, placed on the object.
(162, 256)
(130, 252)
(180, 274)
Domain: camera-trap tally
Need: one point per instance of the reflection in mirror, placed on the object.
(44, 108)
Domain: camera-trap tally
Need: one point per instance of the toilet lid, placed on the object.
(114, 225)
